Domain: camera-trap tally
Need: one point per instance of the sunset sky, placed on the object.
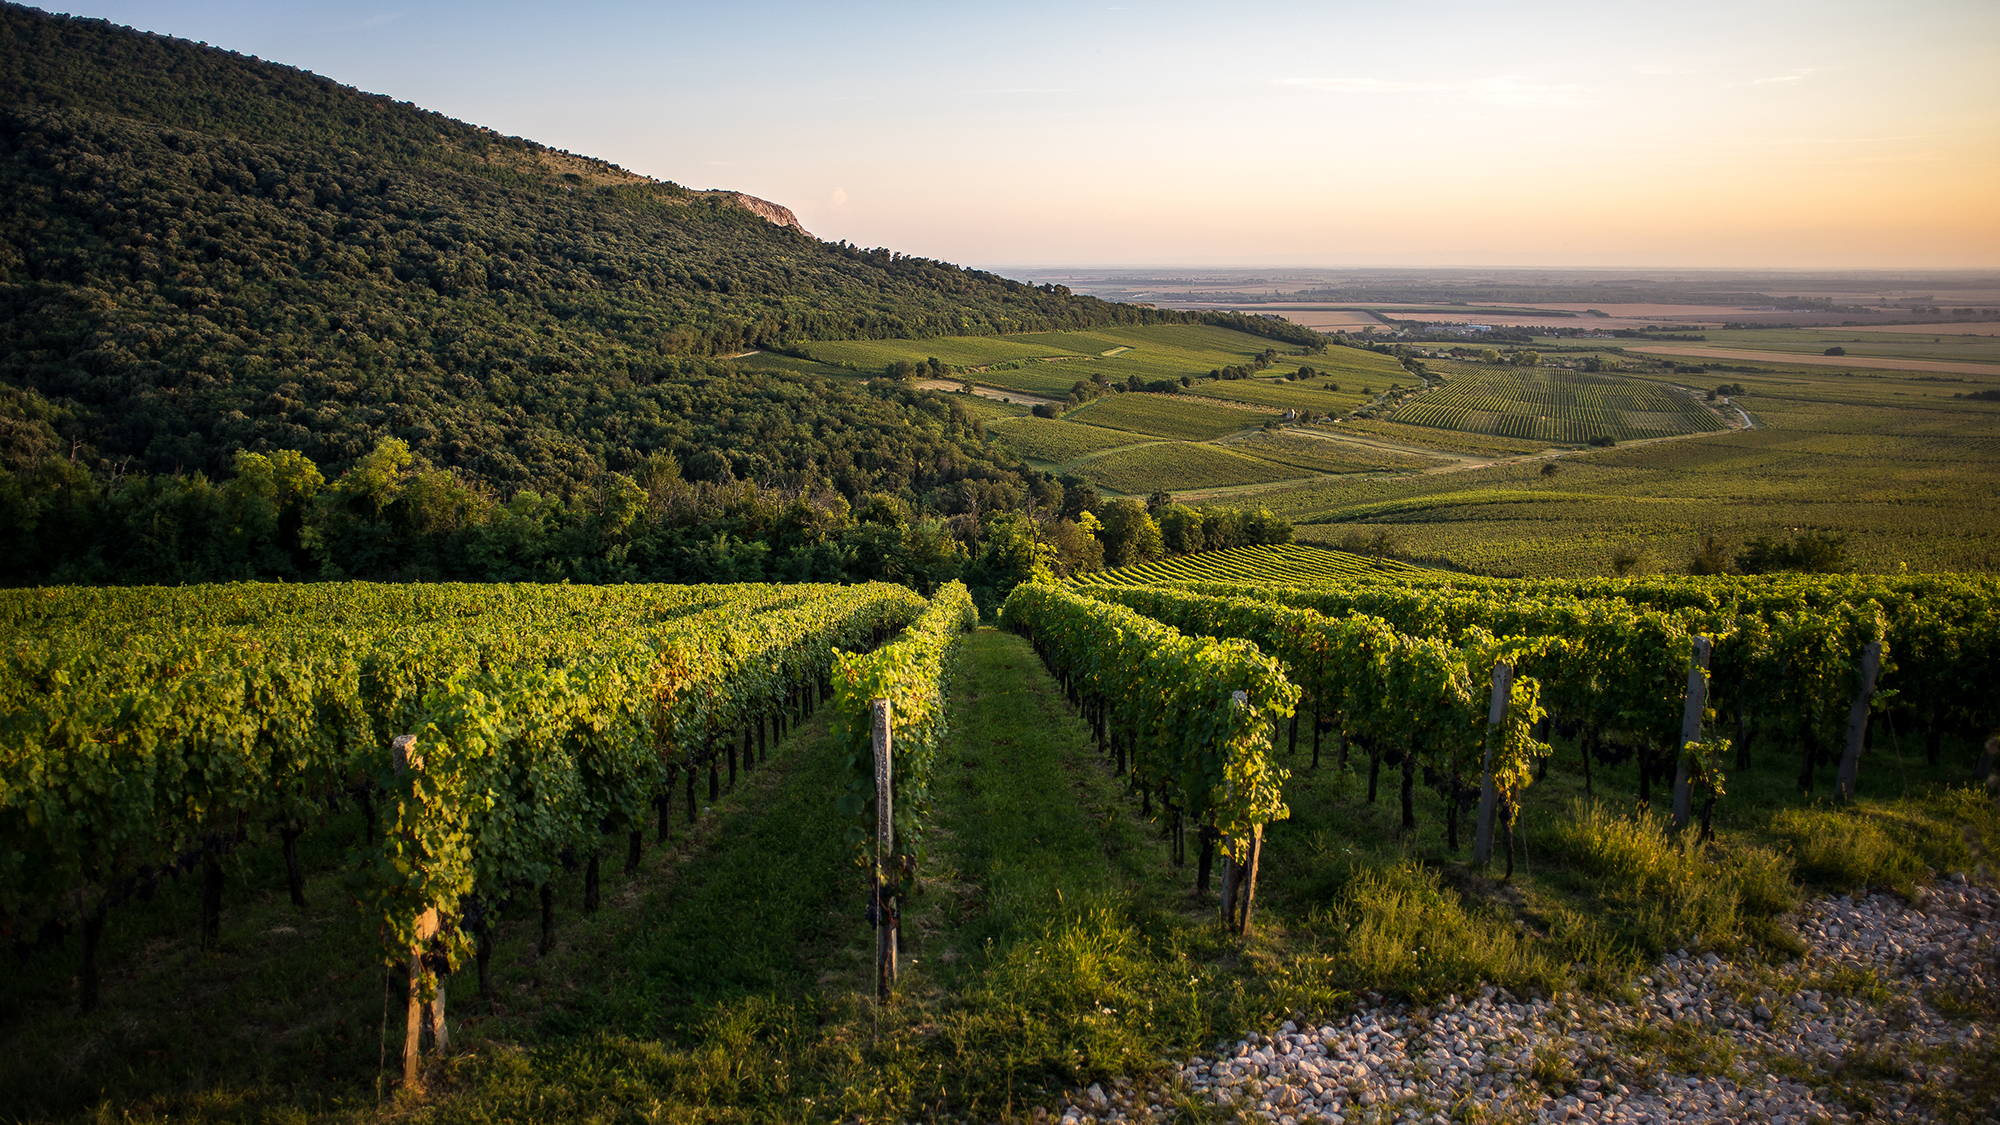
(1750, 133)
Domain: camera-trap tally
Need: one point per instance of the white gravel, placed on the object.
(1774, 1045)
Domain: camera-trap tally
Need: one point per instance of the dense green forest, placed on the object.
(203, 254)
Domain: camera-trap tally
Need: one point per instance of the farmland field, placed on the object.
(1050, 363)
(1305, 395)
(1179, 466)
(1553, 405)
(716, 964)
(1454, 441)
(1324, 455)
(1168, 417)
(1051, 439)
(725, 967)
(1949, 343)
(1908, 474)
(1291, 564)
(990, 409)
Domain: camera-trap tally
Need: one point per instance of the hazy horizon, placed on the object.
(1761, 135)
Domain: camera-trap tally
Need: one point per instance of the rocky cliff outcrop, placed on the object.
(766, 209)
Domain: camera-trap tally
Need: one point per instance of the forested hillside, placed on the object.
(201, 251)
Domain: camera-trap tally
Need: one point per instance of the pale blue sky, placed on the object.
(1749, 133)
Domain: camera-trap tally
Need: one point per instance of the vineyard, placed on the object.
(1288, 564)
(1047, 439)
(1177, 417)
(1554, 405)
(487, 734)
(1290, 447)
(1141, 469)
(1229, 736)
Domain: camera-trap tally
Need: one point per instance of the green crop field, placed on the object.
(1911, 344)
(1305, 395)
(1553, 405)
(772, 361)
(1169, 417)
(1049, 439)
(990, 410)
(1909, 474)
(1050, 363)
(1179, 466)
(1325, 455)
(1452, 441)
(962, 351)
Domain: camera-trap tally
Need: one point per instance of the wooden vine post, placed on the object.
(1239, 878)
(1857, 721)
(1697, 704)
(426, 1017)
(1489, 793)
(885, 840)
(1239, 881)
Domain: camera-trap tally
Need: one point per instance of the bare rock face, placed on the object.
(765, 209)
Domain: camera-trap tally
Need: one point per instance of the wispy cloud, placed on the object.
(1794, 76)
(1505, 90)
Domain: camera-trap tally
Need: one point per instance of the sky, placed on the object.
(1787, 134)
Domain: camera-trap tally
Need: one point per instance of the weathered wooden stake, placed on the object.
(423, 1017)
(885, 840)
(426, 1018)
(1697, 702)
(1496, 712)
(1857, 721)
(1248, 894)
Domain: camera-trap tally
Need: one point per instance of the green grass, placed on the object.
(1165, 416)
(1178, 466)
(1059, 441)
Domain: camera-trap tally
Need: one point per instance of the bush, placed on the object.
(1808, 553)
(1048, 410)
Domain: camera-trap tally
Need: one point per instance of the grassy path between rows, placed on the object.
(1051, 945)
